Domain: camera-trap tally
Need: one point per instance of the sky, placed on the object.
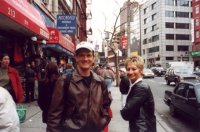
(104, 14)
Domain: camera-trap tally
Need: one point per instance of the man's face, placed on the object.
(84, 59)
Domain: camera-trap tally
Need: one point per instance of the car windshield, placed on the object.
(182, 70)
(198, 92)
(147, 70)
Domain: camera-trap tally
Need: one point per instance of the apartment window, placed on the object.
(169, 25)
(169, 2)
(145, 31)
(154, 49)
(197, 34)
(197, 21)
(182, 14)
(169, 58)
(145, 10)
(196, 11)
(169, 36)
(169, 48)
(154, 27)
(153, 16)
(143, 51)
(182, 25)
(145, 41)
(182, 37)
(145, 20)
(169, 13)
(182, 3)
(153, 5)
(183, 48)
(155, 38)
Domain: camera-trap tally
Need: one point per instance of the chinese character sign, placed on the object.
(66, 24)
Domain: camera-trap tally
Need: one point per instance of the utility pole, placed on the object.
(128, 28)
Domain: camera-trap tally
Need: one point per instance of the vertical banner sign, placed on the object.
(66, 24)
(124, 42)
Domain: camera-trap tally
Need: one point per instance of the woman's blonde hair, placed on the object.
(137, 60)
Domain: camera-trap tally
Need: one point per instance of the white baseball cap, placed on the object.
(85, 45)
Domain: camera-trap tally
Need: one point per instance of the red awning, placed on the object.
(56, 37)
(23, 13)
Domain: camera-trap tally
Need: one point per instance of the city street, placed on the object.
(178, 123)
(34, 123)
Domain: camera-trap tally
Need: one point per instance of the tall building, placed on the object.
(196, 32)
(166, 31)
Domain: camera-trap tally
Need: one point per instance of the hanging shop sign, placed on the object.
(23, 13)
(56, 37)
(66, 24)
(124, 43)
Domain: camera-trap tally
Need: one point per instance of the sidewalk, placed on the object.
(33, 122)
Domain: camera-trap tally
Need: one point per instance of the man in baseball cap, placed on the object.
(85, 87)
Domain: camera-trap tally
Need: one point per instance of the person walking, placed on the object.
(109, 77)
(10, 79)
(47, 87)
(139, 109)
(29, 83)
(82, 106)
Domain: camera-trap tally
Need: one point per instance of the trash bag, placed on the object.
(21, 111)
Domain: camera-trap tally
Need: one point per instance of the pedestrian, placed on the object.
(82, 106)
(47, 87)
(139, 109)
(36, 78)
(29, 83)
(9, 120)
(109, 77)
(10, 79)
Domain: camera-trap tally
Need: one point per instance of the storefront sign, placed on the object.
(25, 14)
(57, 37)
(195, 53)
(66, 24)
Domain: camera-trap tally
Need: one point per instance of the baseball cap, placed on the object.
(85, 45)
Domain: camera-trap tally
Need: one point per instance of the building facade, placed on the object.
(166, 31)
(196, 32)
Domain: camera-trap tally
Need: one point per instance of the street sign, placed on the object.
(66, 24)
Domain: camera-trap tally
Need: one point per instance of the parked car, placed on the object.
(148, 73)
(176, 74)
(158, 71)
(185, 99)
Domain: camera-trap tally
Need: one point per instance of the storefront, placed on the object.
(21, 29)
(58, 45)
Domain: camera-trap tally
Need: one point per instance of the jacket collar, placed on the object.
(77, 77)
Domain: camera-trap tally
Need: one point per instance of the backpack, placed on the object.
(43, 99)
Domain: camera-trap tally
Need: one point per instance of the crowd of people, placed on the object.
(78, 98)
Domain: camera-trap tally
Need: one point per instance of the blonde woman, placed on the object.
(139, 108)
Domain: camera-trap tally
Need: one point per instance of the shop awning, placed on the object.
(20, 15)
(56, 37)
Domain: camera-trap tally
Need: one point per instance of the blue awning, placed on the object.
(57, 48)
